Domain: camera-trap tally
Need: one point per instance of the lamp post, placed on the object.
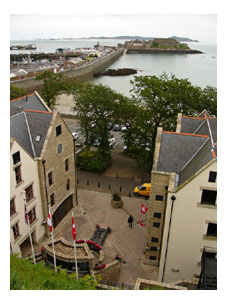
(173, 198)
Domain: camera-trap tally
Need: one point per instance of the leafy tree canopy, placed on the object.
(95, 106)
(53, 85)
(16, 92)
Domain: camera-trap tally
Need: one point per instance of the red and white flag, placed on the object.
(49, 220)
(144, 209)
(73, 228)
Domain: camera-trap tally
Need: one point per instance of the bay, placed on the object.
(200, 69)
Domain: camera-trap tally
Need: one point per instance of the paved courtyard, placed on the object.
(95, 208)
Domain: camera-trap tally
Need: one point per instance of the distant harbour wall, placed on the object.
(83, 73)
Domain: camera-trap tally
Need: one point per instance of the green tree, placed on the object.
(53, 85)
(26, 276)
(95, 108)
(16, 92)
(160, 100)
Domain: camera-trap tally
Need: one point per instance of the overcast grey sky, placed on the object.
(202, 27)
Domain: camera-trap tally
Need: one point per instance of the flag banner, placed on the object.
(49, 220)
(73, 228)
(26, 214)
(144, 209)
(141, 224)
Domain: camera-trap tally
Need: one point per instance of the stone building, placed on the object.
(44, 136)
(24, 184)
(182, 219)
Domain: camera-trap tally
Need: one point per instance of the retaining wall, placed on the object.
(83, 73)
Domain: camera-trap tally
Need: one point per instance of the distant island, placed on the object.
(180, 39)
(157, 46)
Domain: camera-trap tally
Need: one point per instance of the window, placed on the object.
(18, 174)
(66, 164)
(152, 257)
(156, 224)
(208, 197)
(68, 184)
(58, 130)
(59, 149)
(212, 255)
(16, 158)
(50, 178)
(154, 239)
(212, 176)
(159, 197)
(29, 193)
(212, 229)
(32, 215)
(154, 248)
(52, 199)
(15, 231)
(157, 214)
(12, 207)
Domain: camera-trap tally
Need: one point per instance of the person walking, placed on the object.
(130, 221)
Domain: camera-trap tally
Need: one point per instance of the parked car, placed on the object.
(75, 135)
(143, 190)
(111, 141)
(116, 127)
(123, 128)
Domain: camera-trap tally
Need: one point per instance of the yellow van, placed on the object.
(143, 190)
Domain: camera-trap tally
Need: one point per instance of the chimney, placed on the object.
(26, 98)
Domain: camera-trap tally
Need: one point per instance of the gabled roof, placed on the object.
(176, 150)
(29, 102)
(29, 126)
(186, 152)
(190, 124)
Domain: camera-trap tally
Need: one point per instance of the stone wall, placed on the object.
(110, 273)
(80, 74)
(55, 163)
(159, 182)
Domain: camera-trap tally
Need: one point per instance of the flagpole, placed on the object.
(28, 223)
(75, 256)
(52, 236)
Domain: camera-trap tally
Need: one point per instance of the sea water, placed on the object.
(200, 69)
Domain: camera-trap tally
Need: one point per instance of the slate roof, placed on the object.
(27, 124)
(186, 152)
(189, 125)
(29, 102)
(176, 150)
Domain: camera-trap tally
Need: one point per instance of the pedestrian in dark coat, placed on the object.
(130, 221)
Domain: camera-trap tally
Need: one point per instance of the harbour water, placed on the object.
(200, 69)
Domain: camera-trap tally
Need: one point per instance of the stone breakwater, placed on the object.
(82, 73)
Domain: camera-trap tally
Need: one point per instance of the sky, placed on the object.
(202, 27)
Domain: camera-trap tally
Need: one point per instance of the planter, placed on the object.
(116, 204)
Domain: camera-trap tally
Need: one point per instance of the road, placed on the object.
(122, 176)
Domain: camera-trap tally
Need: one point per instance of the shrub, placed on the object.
(27, 276)
(93, 161)
(116, 197)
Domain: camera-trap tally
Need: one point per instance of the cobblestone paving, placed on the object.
(95, 208)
